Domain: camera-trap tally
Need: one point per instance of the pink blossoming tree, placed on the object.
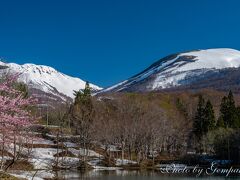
(15, 118)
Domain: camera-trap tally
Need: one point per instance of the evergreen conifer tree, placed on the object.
(224, 111)
(198, 124)
(228, 112)
(209, 117)
(220, 122)
(232, 111)
(81, 115)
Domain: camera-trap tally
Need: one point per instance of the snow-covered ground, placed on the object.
(120, 162)
(82, 152)
(43, 141)
(38, 175)
(111, 148)
(43, 159)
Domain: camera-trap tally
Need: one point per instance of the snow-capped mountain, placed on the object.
(46, 79)
(181, 69)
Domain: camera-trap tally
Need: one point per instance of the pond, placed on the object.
(129, 175)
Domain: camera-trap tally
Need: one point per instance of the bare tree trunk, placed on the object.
(14, 146)
(84, 150)
(3, 149)
(14, 152)
(57, 161)
(109, 156)
(129, 152)
(123, 147)
(138, 157)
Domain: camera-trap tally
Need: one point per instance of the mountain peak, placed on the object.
(214, 58)
(46, 78)
(179, 69)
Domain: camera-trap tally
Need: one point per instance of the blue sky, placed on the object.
(106, 41)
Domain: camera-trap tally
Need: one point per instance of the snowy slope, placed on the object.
(46, 78)
(212, 58)
(179, 69)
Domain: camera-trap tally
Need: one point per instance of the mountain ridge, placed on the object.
(46, 79)
(178, 69)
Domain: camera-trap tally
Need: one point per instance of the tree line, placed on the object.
(142, 127)
(145, 128)
(215, 135)
(150, 127)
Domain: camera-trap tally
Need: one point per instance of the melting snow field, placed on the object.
(44, 158)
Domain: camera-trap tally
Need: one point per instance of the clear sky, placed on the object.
(106, 41)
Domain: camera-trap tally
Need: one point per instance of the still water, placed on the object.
(129, 175)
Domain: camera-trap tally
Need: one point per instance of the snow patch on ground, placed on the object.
(120, 162)
(82, 152)
(43, 158)
(43, 141)
(38, 175)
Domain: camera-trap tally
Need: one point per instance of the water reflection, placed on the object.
(126, 175)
